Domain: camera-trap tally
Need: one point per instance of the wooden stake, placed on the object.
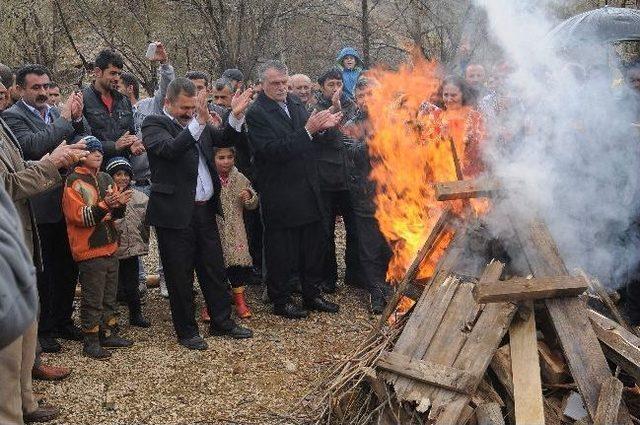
(525, 365)
(465, 189)
(412, 271)
(609, 402)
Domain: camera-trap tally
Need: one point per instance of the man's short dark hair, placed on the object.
(6, 75)
(128, 79)
(362, 83)
(198, 75)
(222, 83)
(179, 86)
(108, 57)
(36, 69)
(331, 74)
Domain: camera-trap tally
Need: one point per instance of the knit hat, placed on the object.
(118, 163)
(233, 74)
(93, 144)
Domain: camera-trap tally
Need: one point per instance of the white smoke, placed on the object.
(574, 160)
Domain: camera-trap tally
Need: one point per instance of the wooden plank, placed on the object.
(525, 366)
(519, 289)
(489, 414)
(621, 346)
(609, 402)
(411, 273)
(427, 372)
(465, 189)
(597, 287)
(552, 367)
(579, 343)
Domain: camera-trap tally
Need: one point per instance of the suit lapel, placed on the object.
(38, 122)
(275, 110)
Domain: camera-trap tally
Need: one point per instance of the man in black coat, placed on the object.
(39, 129)
(185, 198)
(283, 137)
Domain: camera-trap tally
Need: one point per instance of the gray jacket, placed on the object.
(144, 108)
(36, 139)
(18, 290)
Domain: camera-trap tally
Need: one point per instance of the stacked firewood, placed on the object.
(518, 345)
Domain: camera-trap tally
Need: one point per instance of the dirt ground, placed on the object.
(256, 381)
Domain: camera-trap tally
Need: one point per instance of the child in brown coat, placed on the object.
(237, 194)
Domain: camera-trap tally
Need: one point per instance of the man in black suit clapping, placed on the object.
(185, 197)
(283, 137)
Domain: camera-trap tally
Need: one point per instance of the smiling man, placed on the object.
(108, 111)
(284, 137)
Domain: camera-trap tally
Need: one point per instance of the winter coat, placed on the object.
(132, 230)
(232, 232)
(91, 233)
(350, 76)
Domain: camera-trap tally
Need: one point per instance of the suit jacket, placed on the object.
(23, 181)
(286, 174)
(36, 138)
(173, 158)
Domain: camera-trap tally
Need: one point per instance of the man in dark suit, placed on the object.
(39, 129)
(185, 197)
(283, 138)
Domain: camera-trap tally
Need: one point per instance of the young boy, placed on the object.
(90, 203)
(133, 239)
(351, 66)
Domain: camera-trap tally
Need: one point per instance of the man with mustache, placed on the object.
(185, 197)
(39, 129)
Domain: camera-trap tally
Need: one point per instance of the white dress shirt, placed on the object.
(204, 183)
(47, 114)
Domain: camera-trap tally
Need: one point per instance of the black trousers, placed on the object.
(373, 252)
(337, 203)
(300, 250)
(253, 227)
(128, 281)
(195, 248)
(57, 282)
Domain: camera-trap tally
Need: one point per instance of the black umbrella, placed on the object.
(604, 25)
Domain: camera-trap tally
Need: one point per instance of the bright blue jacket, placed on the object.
(350, 76)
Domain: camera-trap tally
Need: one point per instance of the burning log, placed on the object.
(519, 289)
(466, 189)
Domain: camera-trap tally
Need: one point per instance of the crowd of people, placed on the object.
(242, 184)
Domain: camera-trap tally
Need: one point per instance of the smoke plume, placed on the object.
(560, 136)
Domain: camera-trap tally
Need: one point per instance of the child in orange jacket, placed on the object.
(90, 203)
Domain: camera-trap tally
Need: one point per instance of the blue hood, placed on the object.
(349, 51)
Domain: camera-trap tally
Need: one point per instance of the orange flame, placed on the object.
(409, 154)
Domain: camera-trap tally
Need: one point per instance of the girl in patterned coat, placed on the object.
(237, 194)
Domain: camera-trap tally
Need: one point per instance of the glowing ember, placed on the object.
(410, 152)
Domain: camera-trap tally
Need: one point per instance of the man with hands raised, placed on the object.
(185, 197)
(284, 138)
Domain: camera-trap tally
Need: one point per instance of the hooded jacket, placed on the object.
(350, 76)
(90, 222)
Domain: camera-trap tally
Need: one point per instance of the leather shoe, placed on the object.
(290, 311)
(194, 343)
(44, 372)
(49, 344)
(70, 332)
(320, 304)
(43, 413)
(236, 332)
